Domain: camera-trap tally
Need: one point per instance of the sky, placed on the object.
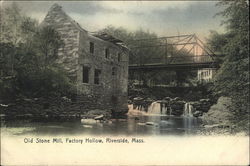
(165, 18)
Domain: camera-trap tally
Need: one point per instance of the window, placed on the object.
(85, 74)
(107, 53)
(97, 76)
(113, 71)
(91, 47)
(119, 57)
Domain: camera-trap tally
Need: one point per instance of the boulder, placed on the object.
(197, 113)
(177, 99)
(98, 113)
(177, 107)
(219, 113)
(167, 98)
(100, 117)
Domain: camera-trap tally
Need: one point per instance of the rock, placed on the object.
(165, 123)
(108, 121)
(97, 112)
(88, 121)
(177, 99)
(136, 118)
(3, 105)
(150, 123)
(167, 98)
(219, 113)
(130, 102)
(137, 99)
(66, 99)
(141, 124)
(217, 126)
(87, 126)
(197, 113)
(163, 102)
(100, 117)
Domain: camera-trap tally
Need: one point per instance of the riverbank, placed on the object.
(53, 109)
(216, 113)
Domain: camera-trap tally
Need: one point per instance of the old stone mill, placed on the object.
(99, 64)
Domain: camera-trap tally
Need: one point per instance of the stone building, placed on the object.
(97, 63)
(206, 75)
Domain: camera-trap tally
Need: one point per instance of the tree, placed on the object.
(232, 78)
(151, 51)
(48, 41)
(27, 58)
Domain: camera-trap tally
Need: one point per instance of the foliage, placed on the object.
(147, 51)
(27, 59)
(233, 77)
(48, 43)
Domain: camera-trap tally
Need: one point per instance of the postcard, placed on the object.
(124, 82)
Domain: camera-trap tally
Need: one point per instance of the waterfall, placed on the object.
(188, 110)
(159, 108)
(164, 109)
(139, 110)
(154, 108)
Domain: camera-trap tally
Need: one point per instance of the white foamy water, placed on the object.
(154, 108)
(188, 110)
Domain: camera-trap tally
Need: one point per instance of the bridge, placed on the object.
(172, 52)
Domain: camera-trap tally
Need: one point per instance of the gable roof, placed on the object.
(57, 8)
(103, 36)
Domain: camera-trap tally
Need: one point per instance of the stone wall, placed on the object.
(69, 33)
(112, 88)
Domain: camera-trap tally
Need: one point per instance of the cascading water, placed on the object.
(164, 109)
(170, 111)
(139, 110)
(154, 108)
(159, 108)
(188, 110)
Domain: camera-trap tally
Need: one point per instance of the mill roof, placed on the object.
(101, 35)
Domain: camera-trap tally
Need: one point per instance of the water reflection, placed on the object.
(133, 125)
(138, 122)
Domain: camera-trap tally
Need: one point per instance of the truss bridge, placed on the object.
(172, 52)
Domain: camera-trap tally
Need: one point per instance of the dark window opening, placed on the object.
(113, 71)
(114, 100)
(91, 47)
(85, 74)
(119, 57)
(107, 53)
(97, 76)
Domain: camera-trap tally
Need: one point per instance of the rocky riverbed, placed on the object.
(177, 105)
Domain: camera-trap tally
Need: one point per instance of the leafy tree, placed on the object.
(27, 58)
(48, 41)
(232, 78)
(15, 27)
(150, 51)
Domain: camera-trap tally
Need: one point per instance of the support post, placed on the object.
(165, 60)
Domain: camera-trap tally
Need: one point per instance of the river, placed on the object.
(137, 123)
